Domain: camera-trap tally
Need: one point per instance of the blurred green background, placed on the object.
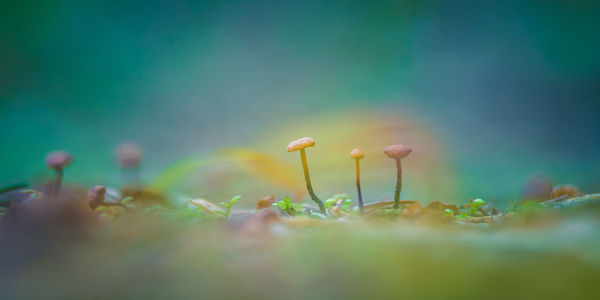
(510, 88)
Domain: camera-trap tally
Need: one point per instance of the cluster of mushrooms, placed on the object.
(396, 152)
(128, 155)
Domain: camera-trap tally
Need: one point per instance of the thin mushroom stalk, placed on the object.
(301, 144)
(309, 187)
(129, 156)
(58, 161)
(357, 154)
(398, 187)
(397, 152)
(58, 183)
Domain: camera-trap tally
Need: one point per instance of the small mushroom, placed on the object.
(129, 156)
(57, 161)
(301, 144)
(96, 197)
(537, 187)
(397, 152)
(358, 154)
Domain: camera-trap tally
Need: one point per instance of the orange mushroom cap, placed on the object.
(302, 143)
(356, 153)
(397, 151)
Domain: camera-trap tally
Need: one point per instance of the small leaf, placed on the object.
(126, 200)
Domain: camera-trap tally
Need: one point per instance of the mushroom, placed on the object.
(301, 144)
(358, 154)
(57, 161)
(397, 152)
(96, 197)
(537, 187)
(129, 156)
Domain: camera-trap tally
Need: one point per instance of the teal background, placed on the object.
(511, 87)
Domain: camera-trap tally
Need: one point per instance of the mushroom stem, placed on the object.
(360, 200)
(130, 176)
(398, 184)
(58, 161)
(58, 183)
(309, 184)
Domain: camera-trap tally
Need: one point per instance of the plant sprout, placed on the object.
(287, 206)
(475, 206)
(228, 205)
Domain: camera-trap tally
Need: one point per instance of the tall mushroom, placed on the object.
(301, 144)
(129, 156)
(358, 154)
(397, 152)
(57, 161)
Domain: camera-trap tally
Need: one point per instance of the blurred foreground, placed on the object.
(61, 249)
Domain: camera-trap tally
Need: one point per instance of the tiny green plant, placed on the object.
(329, 203)
(448, 212)
(228, 205)
(346, 204)
(287, 206)
(475, 205)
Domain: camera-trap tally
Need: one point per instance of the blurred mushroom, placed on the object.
(129, 156)
(537, 187)
(57, 161)
(96, 197)
(301, 144)
(397, 152)
(358, 154)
